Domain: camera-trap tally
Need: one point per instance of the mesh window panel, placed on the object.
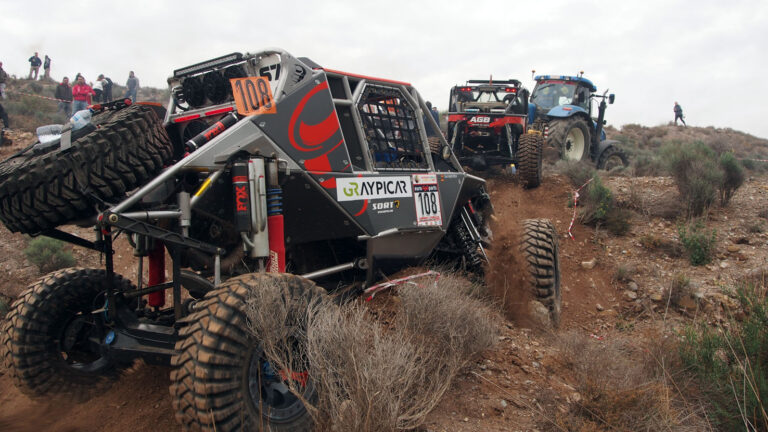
(390, 127)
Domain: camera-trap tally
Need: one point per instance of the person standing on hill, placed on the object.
(679, 114)
(47, 68)
(64, 95)
(3, 81)
(98, 88)
(81, 93)
(133, 86)
(34, 65)
(107, 95)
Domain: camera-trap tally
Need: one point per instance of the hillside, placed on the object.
(627, 299)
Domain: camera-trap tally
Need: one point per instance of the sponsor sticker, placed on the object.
(373, 188)
(427, 200)
(385, 206)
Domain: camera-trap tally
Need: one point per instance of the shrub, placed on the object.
(730, 364)
(679, 288)
(49, 254)
(599, 209)
(696, 173)
(733, 177)
(697, 242)
(577, 172)
(369, 376)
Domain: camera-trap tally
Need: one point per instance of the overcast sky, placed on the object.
(708, 55)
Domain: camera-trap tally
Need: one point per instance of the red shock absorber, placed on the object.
(157, 274)
(276, 229)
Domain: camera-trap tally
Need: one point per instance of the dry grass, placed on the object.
(371, 377)
(625, 387)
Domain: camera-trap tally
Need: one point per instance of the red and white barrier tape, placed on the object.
(34, 95)
(576, 203)
(756, 160)
(392, 283)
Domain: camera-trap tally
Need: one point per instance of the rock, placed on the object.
(588, 265)
(733, 248)
(536, 364)
(575, 397)
(686, 302)
(630, 295)
(656, 297)
(466, 419)
(723, 264)
(599, 307)
(632, 286)
(504, 404)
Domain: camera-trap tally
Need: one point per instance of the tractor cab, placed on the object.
(561, 93)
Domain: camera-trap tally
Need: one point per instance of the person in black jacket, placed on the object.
(106, 95)
(64, 95)
(47, 68)
(679, 114)
(34, 65)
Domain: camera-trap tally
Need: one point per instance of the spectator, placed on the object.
(81, 93)
(98, 88)
(427, 125)
(3, 80)
(679, 114)
(133, 87)
(34, 65)
(64, 94)
(47, 68)
(107, 95)
(4, 116)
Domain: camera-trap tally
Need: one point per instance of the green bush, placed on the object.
(49, 254)
(577, 172)
(733, 177)
(697, 242)
(731, 364)
(599, 209)
(696, 172)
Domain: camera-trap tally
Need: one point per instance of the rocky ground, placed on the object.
(613, 287)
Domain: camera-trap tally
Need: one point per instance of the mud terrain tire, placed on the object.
(611, 158)
(570, 136)
(210, 382)
(45, 318)
(529, 159)
(540, 251)
(41, 191)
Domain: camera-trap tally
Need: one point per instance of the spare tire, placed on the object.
(42, 190)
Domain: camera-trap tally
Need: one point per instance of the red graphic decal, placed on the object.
(241, 197)
(312, 136)
(362, 210)
(329, 184)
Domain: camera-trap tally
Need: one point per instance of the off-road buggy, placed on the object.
(487, 127)
(266, 172)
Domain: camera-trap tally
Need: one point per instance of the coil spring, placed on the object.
(467, 246)
(274, 202)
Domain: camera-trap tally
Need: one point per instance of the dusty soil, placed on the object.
(504, 388)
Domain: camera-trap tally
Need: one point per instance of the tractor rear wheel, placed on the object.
(529, 159)
(222, 380)
(42, 189)
(571, 137)
(48, 335)
(612, 157)
(539, 249)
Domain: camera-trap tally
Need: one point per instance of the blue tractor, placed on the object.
(562, 108)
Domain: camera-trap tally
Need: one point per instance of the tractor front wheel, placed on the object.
(571, 137)
(612, 157)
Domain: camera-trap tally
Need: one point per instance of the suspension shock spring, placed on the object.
(274, 201)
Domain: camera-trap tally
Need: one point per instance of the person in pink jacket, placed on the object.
(81, 95)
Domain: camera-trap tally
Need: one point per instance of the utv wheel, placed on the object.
(612, 157)
(529, 159)
(540, 251)
(571, 137)
(48, 336)
(222, 380)
(40, 190)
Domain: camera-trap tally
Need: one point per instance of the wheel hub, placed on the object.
(268, 392)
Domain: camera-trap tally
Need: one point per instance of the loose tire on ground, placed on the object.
(529, 154)
(611, 158)
(571, 137)
(539, 249)
(40, 191)
(44, 337)
(210, 382)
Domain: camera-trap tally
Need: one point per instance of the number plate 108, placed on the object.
(253, 95)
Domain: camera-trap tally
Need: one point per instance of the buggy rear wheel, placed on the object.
(223, 380)
(540, 251)
(50, 336)
(529, 156)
